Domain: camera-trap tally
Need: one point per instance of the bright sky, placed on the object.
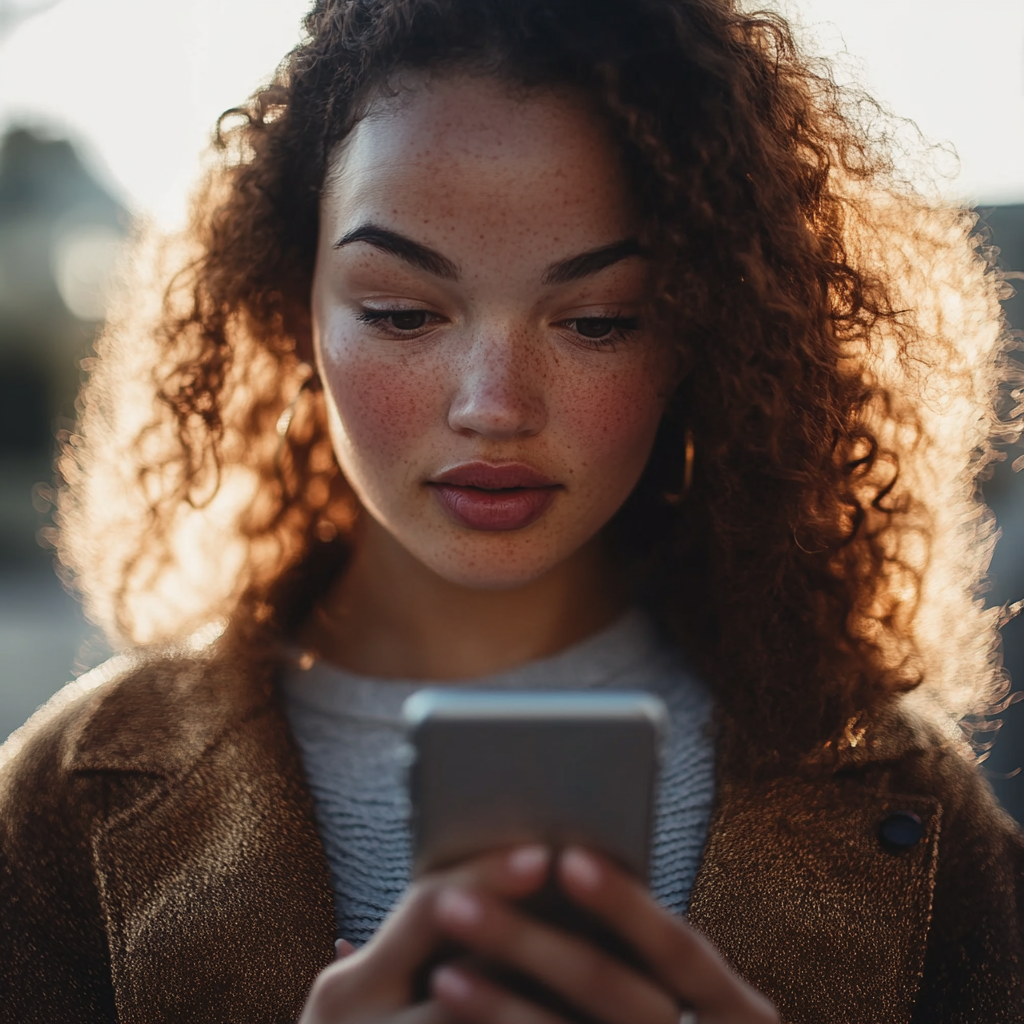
(139, 83)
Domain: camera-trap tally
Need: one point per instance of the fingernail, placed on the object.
(447, 981)
(581, 868)
(342, 948)
(527, 860)
(459, 908)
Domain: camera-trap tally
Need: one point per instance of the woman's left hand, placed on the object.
(688, 980)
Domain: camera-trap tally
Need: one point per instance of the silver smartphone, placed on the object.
(492, 768)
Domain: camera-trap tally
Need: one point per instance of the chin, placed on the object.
(518, 565)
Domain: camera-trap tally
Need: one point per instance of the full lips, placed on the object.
(509, 508)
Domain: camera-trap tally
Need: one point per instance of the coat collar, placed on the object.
(794, 888)
(155, 710)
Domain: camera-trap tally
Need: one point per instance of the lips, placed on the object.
(479, 496)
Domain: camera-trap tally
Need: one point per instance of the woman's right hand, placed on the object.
(377, 982)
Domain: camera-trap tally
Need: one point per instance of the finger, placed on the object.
(471, 998)
(340, 993)
(586, 976)
(511, 873)
(411, 933)
(382, 974)
(678, 955)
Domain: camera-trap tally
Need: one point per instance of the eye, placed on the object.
(595, 326)
(602, 329)
(399, 320)
(408, 319)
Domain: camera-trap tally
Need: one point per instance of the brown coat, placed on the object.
(159, 862)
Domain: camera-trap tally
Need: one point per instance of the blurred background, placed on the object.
(106, 106)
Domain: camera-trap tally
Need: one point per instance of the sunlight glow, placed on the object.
(139, 84)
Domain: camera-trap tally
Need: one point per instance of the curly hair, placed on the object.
(842, 343)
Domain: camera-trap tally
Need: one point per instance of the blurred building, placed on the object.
(59, 235)
(60, 231)
(1005, 492)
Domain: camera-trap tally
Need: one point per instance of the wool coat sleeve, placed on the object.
(158, 856)
(54, 962)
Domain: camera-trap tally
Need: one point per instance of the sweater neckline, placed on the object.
(596, 662)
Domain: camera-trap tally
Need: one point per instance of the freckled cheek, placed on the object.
(385, 408)
(612, 423)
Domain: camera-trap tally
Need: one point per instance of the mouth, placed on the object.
(479, 496)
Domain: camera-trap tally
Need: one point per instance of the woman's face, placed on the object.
(492, 393)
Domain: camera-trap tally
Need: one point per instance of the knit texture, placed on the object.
(349, 731)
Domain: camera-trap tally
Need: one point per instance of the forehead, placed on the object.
(473, 151)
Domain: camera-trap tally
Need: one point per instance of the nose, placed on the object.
(499, 390)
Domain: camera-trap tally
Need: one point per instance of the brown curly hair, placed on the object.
(841, 342)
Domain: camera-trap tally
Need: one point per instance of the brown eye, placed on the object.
(595, 327)
(408, 320)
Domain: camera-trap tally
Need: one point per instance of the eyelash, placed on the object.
(620, 327)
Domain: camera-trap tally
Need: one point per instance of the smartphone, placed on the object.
(492, 769)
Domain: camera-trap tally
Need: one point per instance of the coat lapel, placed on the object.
(211, 811)
(800, 895)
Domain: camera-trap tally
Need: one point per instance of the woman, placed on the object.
(635, 364)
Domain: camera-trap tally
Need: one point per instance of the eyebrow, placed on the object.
(587, 263)
(563, 271)
(404, 248)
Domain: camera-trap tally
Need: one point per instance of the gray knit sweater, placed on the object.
(349, 731)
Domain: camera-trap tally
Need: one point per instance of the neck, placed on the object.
(391, 616)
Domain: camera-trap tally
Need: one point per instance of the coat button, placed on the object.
(900, 831)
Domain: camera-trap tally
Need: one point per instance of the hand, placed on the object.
(377, 982)
(685, 970)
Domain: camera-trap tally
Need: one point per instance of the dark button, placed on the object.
(900, 831)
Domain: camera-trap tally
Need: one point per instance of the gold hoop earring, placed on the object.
(284, 421)
(678, 497)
